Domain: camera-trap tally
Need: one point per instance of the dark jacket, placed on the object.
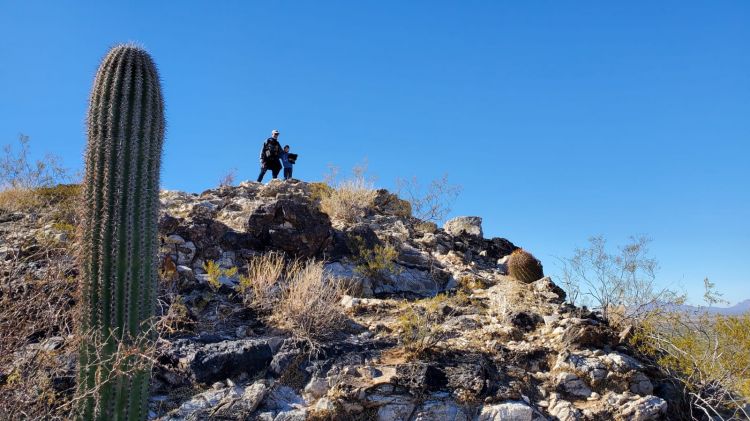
(270, 152)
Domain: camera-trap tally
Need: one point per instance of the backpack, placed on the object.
(271, 149)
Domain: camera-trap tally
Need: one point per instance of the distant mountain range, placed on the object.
(737, 309)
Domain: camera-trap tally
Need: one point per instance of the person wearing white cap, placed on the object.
(270, 155)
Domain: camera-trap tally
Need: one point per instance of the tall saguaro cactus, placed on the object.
(119, 249)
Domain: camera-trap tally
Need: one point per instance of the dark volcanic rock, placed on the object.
(526, 321)
(473, 374)
(233, 240)
(420, 377)
(295, 227)
(388, 203)
(222, 360)
(361, 236)
(588, 333)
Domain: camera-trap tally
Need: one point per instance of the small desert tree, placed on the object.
(621, 283)
(706, 355)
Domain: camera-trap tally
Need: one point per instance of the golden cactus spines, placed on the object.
(524, 267)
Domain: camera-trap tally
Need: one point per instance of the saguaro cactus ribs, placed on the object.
(121, 193)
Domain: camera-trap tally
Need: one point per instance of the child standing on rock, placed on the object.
(288, 160)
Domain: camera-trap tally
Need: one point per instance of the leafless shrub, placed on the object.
(18, 171)
(623, 285)
(28, 185)
(176, 319)
(37, 341)
(309, 305)
(432, 203)
(228, 179)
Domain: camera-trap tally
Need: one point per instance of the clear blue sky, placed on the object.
(560, 119)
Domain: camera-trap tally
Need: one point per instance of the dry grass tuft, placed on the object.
(21, 199)
(261, 287)
(350, 200)
(309, 305)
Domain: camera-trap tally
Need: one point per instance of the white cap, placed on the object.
(275, 132)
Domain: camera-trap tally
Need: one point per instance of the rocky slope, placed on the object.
(506, 350)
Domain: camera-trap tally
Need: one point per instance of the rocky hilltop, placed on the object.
(493, 348)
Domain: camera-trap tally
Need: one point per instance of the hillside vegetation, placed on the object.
(272, 308)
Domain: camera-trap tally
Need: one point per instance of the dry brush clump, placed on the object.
(26, 185)
(419, 324)
(308, 305)
(266, 275)
(348, 201)
(297, 296)
(37, 341)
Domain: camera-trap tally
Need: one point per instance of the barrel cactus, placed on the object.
(523, 266)
(119, 235)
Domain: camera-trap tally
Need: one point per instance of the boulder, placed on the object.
(226, 359)
(420, 377)
(548, 290)
(526, 320)
(573, 385)
(471, 225)
(387, 203)
(293, 226)
(586, 333)
(636, 408)
(445, 410)
(396, 410)
(407, 280)
(508, 411)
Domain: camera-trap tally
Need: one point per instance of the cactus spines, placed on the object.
(119, 242)
(523, 266)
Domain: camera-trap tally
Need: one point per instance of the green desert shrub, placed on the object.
(707, 355)
(215, 272)
(420, 323)
(524, 267)
(373, 261)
